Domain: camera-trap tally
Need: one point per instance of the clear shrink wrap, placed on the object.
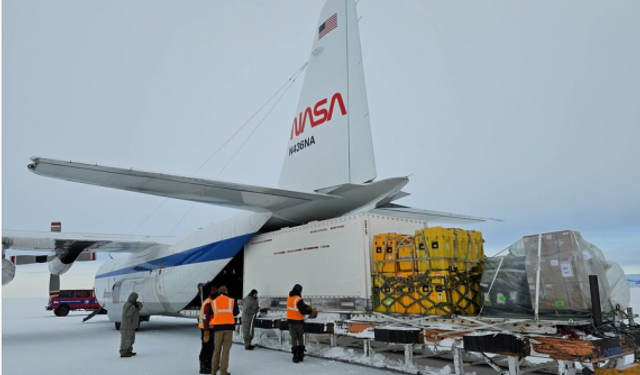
(620, 292)
(560, 288)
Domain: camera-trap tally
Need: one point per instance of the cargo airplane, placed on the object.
(328, 171)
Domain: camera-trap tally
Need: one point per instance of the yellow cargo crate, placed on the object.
(383, 294)
(476, 252)
(422, 259)
(384, 252)
(433, 290)
(439, 244)
(406, 254)
(462, 246)
(465, 293)
(408, 300)
(448, 249)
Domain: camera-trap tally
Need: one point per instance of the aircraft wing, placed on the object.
(432, 217)
(53, 241)
(233, 195)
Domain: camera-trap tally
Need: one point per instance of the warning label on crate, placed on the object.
(567, 270)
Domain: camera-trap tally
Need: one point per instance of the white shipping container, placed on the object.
(331, 259)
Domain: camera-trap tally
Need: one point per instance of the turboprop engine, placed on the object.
(63, 261)
(66, 252)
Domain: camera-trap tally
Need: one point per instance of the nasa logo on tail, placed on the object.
(317, 117)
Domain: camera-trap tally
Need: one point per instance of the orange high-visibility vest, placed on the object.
(292, 308)
(222, 311)
(201, 315)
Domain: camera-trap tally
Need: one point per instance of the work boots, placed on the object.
(205, 368)
(298, 353)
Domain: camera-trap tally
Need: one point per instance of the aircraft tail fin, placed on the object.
(330, 137)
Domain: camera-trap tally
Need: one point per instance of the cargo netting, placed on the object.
(438, 293)
(551, 269)
(434, 272)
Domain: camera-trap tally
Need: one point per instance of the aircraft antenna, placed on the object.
(286, 86)
(289, 82)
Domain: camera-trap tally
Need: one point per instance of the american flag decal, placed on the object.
(328, 25)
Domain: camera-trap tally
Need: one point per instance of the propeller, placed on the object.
(54, 280)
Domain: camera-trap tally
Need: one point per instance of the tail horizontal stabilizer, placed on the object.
(431, 217)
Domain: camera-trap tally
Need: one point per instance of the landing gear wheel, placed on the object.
(62, 310)
(118, 326)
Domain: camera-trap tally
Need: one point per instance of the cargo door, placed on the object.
(160, 276)
(123, 290)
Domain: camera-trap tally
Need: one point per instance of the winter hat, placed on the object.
(223, 290)
(213, 291)
(297, 288)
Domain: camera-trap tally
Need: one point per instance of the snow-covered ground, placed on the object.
(35, 341)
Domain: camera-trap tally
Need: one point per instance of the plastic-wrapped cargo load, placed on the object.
(560, 288)
(620, 293)
(505, 288)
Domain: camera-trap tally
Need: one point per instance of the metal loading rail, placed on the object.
(507, 346)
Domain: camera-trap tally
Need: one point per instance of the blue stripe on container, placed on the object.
(218, 250)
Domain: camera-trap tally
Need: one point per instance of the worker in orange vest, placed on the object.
(296, 310)
(206, 341)
(220, 316)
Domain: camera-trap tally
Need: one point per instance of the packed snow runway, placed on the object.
(34, 341)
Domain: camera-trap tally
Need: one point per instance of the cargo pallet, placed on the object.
(508, 346)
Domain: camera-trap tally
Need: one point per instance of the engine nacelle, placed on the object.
(57, 267)
(63, 261)
(8, 271)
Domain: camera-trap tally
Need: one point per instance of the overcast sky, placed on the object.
(524, 111)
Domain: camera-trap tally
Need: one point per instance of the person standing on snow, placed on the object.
(249, 311)
(296, 310)
(206, 341)
(224, 309)
(130, 322)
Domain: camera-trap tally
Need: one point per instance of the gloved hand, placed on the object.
(314, 313)
(206, 337)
